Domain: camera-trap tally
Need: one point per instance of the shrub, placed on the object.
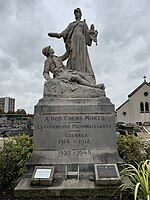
(15, 152)
(130, 149)
(147, 150)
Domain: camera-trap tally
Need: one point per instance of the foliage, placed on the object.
(140, 180)
(15, 152)
(21, 111)
(130, 149)
(147, 150)
(2, 111)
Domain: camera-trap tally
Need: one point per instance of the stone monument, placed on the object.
(74, 124)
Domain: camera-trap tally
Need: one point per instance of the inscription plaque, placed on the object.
(43, 173)
(75, 137)
(42, 176)
(106, 174)
(74, 131)
(107, 171)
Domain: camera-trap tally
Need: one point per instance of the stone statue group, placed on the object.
(78, 68)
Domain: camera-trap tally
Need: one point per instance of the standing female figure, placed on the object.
(76, 38)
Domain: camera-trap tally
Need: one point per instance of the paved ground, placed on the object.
(144, 136)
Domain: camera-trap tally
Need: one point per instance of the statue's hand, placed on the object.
(93, 35)
(57, 35)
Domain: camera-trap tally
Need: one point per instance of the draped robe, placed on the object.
(76, 37)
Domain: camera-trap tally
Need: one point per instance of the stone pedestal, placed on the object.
(72, 134)
(74, 131)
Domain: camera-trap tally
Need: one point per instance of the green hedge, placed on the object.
(131, 150)
(15, 152)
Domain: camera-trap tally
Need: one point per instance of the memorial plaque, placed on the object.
(107, 171)
(42, 175)
(74, 137)
(106, 174)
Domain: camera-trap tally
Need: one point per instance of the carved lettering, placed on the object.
(81, 135)
(80, 126)
(80, 142)
(74, 126)
(70, 134)
(57, 126)
(63, 141)
(72, 118)
(52, 118)
(88, 117)
(68, 153)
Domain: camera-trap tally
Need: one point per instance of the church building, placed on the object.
(137, 108)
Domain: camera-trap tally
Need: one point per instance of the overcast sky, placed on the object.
(120, 60)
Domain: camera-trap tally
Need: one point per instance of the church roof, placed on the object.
(133, 92)
(140, 86)
(122, 105)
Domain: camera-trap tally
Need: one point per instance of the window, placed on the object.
(141, 107)
(124, 113)
(146, 107)
(145, 94)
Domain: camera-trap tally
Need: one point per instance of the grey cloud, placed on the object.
(137, 73)
(142, 55)
(5, 8)
(5, 64)
(119, 54)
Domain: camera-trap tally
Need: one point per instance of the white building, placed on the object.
(7, 104)
(137, 108)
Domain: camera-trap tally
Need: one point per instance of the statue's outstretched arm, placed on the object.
(57, 35)
(64, 56)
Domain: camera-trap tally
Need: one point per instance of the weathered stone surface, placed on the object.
(76, 37)
(74, 131)
(58, 88)
(69, 188)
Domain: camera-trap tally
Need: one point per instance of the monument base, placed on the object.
(70, 131)
(67, 188)
(72, 135)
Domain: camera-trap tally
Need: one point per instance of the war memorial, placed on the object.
(75, 150)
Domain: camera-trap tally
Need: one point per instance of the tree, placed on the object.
(21, 111)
